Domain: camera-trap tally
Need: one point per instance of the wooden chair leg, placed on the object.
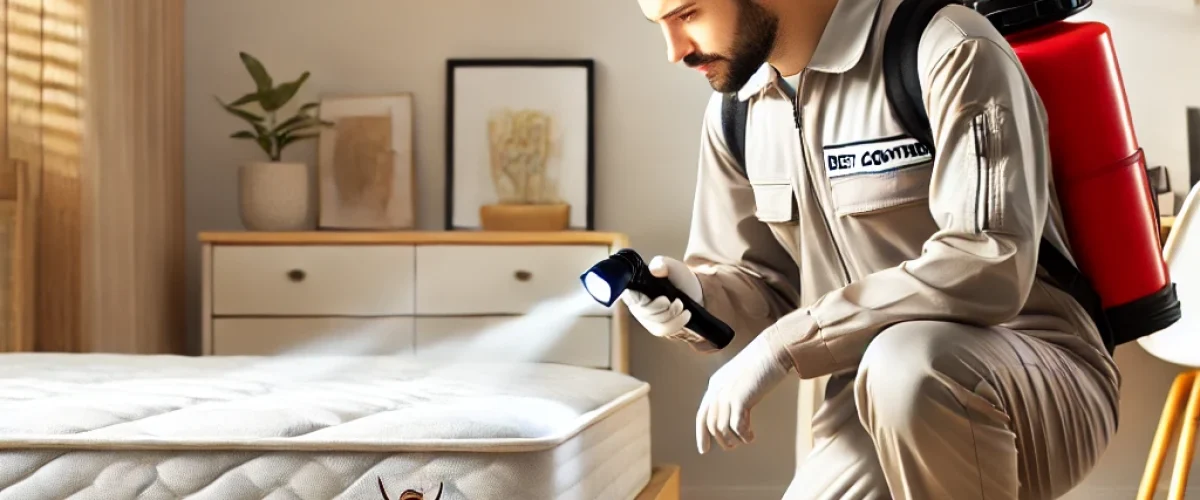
(1187, 444)
(1181, 389)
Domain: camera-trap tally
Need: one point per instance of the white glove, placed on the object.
(665, 318)
(734, 390)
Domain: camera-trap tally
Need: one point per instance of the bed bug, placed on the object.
(408, 494)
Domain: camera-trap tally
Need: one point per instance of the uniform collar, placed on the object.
(845, 36)
(840, 48)
(765, 76)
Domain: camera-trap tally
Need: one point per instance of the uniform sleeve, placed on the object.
(988, 195)
(747, 278)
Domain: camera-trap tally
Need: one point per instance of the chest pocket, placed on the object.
(775, 202)
(876, 175)
(771, 181)
(771, 164)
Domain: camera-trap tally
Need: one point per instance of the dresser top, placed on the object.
(414, 238)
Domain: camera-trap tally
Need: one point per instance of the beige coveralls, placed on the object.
(957, 372)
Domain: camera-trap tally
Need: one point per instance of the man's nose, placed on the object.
(678, 46)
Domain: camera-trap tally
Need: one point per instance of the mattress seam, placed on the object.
(485, 445)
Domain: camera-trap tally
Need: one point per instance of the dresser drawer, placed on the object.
(304, 336)
(501, 279)
(345, 280)
(512, 340)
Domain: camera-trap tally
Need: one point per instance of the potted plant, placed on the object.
(273, 194)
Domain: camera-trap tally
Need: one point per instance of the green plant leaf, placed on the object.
(280, 96)
(264, 142)
(293, 122)
(308, 107)
(258, 72)
(246, 99)
(284, 141)
(244, 134)
(305, 122)
(241, 113)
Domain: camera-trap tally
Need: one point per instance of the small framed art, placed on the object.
(519, 143)
(366, 176)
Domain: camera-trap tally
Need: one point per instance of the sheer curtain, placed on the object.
(93, 118)
(133, 238)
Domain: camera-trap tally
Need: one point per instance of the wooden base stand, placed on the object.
(525, 217)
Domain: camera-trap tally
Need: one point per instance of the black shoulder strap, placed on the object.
(902, 79)
(733, 121)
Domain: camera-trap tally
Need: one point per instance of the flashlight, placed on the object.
(625, 270)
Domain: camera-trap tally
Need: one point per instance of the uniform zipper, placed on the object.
(984, 176)
(797, 111)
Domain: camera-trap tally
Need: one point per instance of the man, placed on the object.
(957, 370)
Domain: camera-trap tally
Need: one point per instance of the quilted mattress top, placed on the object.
(101, 401)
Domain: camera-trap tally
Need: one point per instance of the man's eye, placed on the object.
(687, 16)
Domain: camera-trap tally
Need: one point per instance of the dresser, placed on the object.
(267, 293)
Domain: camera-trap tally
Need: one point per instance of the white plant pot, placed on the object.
(274, 196)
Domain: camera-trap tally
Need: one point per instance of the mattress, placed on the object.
(97, 426)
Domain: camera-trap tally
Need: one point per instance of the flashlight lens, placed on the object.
(599, 288)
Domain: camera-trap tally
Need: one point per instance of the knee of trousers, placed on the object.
(910, 372)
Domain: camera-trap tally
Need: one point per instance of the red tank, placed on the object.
(1099, 168)
(1100, 172)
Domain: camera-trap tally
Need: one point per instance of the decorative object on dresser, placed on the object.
(273, 194)
(366, 175)
(519, 144)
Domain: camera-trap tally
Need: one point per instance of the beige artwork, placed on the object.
(362, 159)
(359, 178)
(520, 144)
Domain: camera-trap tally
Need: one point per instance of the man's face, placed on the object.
(727, 40)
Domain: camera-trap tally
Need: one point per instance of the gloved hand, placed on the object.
(735, 389)
(665, 318)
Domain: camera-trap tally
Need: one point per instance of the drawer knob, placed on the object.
(296, 275)
(523, 275)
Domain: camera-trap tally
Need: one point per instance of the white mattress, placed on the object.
(162, 427)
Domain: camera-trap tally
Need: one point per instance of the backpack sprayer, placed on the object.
(626, 270)
(1099, 168)
(1118, 274)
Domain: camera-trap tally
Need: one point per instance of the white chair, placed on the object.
(1179, 344)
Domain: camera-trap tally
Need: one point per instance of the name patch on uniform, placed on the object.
(872, 157)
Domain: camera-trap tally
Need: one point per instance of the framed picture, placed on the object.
(366, 178)
(519, 136)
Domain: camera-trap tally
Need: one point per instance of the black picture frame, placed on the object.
(453, 65)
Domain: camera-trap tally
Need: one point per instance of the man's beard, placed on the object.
(753, 43)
